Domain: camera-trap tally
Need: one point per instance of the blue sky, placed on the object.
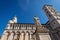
(25, 10)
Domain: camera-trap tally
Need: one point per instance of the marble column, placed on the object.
(4, 36)
(11, 36)
(22, 36)
(31, 36)
(16, 37)
(26, 36)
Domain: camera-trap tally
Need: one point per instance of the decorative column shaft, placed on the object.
(31, 36)
(16, 37)
(11, 36)
(22, 36)
(27, 36)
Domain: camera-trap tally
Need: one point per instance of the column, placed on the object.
(5, 36)
(14, 27)
(34, 37)
(16, 37)
(31, 36)
(27, 36)
(22, 36)
(8, 26)
(11, 36)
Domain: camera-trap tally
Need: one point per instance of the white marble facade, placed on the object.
(25, 31)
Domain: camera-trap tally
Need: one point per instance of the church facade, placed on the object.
(36, 30)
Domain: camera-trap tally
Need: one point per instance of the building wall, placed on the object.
(24, 34)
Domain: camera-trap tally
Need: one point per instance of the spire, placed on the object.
(15, 19)
(39, 27)
(37, 23)
(36, 20)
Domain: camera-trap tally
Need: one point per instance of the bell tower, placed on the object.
(53, 16)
